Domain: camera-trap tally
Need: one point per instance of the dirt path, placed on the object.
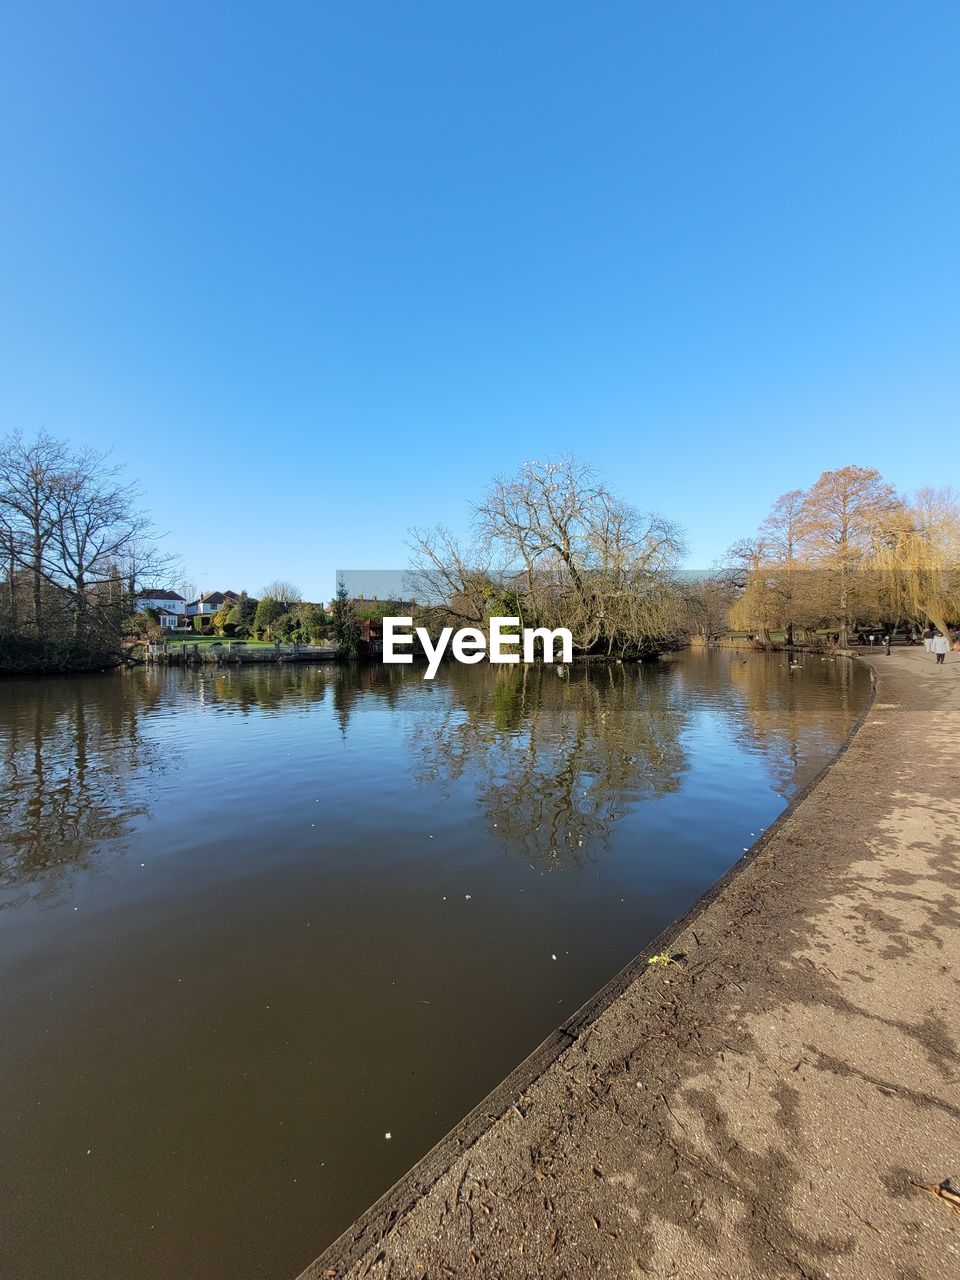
(772, 1105)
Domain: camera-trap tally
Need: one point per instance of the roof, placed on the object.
(215, 597)
(157, 594)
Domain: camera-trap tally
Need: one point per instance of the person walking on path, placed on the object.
(928, 635)
(941, 647)
(886, 644)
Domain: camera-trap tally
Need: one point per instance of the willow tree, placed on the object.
(584, 558)
(554, 546)
(917, 555)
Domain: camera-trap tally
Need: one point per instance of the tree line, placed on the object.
(846, 553)
(552, 545)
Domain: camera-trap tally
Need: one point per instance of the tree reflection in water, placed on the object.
(557, 757)
(793, 711)
(79, 761)
(76, 770)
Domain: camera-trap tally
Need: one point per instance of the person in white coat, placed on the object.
(941, 647)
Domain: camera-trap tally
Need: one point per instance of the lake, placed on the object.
(253, 920)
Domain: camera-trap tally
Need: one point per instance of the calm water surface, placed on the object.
(252, 920)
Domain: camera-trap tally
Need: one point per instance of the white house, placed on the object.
(169, 605)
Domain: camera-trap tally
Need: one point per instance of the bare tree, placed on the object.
(751, 571)
(12, 549)
(96, 526)
(281, 591)
(450, 581)
(543, 515)
(143, 564)
(783, 531)
(707, 599)
(556, 548)
(30, 479)
(73, 536)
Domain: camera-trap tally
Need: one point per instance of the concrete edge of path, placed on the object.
(377, 1221)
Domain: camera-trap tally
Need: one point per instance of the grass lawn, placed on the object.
(206, 641)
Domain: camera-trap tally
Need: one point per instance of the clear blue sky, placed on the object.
(315, 271)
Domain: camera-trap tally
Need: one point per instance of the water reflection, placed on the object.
(279, 689)
(555, 757)
(555, 760)
(76, 770)
(793, 712)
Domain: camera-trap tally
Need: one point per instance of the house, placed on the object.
(206, 605)
(168, 620)
(171, 603)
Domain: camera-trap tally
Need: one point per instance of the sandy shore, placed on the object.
(777, 1102)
